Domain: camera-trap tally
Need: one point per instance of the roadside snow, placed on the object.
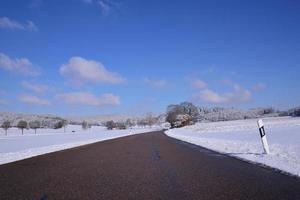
(241, 139)
(15, 146)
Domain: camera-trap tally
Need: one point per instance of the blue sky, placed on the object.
(86, 57)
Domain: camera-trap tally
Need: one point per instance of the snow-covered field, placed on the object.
(15, 146)
(242, 139)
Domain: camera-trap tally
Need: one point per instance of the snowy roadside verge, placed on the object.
(19, 147)
(241, 139)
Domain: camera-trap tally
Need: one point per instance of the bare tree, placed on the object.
(35, 125)
(85, 125)
(6, 125)
(21, 125)
(129, 123)
(150, 119)
(191, 110)
(65, 124)
(142, 122)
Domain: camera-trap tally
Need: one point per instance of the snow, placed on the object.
(15, 146)
(241, 139)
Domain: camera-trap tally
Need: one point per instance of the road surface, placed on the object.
(144, 166)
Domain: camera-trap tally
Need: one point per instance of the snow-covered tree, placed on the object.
(172, 112)
(199, 114)
(184, 109)
(21, 125)
(191, 110)
(183, 120)
(35, 125)
(6, 125)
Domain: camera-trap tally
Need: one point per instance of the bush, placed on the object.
(182, 120)
(268, 111)
(110, 125)
(120, 126)
(58, 125)
(295, 112)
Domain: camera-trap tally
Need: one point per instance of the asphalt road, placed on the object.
(145, 166)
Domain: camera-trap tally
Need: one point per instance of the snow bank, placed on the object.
(15, 146)
(241, 139)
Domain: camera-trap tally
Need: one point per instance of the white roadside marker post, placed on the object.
(263, 136)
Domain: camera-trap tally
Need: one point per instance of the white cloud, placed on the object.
(86, 98)
(31, 26)
(105, 6)
(87, 1)
(238, 95)
(7, 23)
(35, 87)
(79, 70)
(209, 96)
(18, 65)
(198, 84)
(158, 84)
(259, 87)
(34, 100)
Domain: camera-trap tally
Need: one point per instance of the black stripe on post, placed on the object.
(262, 131)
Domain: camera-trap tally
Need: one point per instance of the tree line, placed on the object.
(149, 120)
(186, 113)
(22, 124)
